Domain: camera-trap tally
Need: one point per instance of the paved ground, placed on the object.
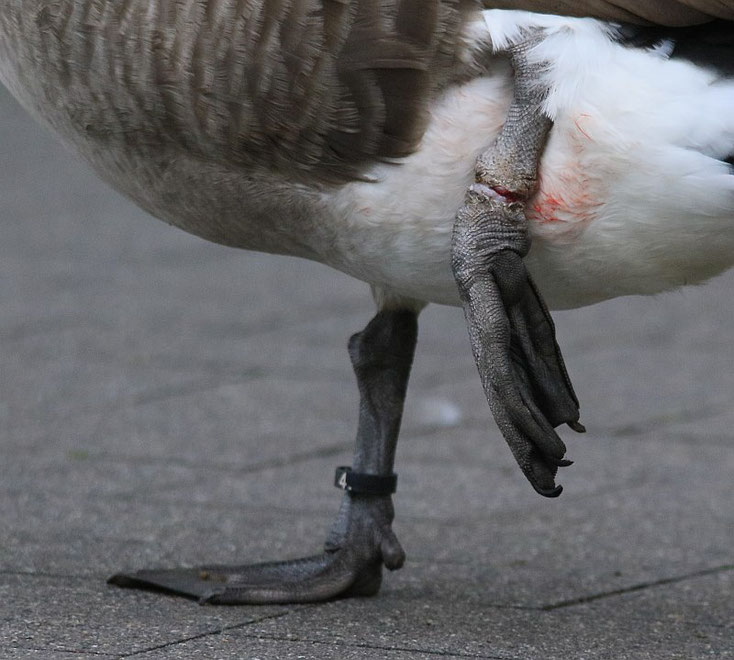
(164, 401)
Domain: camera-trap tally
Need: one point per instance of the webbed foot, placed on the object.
(350, 567)
(361, 539)
(511, 331)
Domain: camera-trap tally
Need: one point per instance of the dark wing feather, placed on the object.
(656, 12)
(710, 45)
(395, 55)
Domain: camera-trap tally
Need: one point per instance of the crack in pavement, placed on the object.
(633, 588)
(292, 458)
(375, 647)
(99, 654)
(210, 633)
(50, 575)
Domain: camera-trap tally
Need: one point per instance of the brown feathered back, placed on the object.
(314, 89)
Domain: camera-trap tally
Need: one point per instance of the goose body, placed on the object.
(347, 133)
(632, 184)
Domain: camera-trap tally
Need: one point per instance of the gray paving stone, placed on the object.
(84, 616)
(716, 428)
(238, 644)
(239, 425)
(45, 654)
(532, 558)
(522, 551)
(445, 490)
(616, 628)
(703, 602)
(623, 391)
(176, 334)
(111, 537)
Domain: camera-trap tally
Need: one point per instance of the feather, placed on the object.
(315, 89)
(671, 13)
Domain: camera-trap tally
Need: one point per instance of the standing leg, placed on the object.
(361, 539)
(511, 332)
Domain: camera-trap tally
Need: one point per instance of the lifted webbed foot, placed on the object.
(510, 328)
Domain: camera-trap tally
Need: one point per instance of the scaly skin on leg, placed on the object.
(511, 332)
(361, 539)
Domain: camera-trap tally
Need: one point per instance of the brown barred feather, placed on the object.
(315, 89)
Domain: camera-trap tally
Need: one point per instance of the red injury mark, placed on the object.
(544, 208)
(507, 194)
(578, 121)
(569, 213)
(544, 205)
(568, 198)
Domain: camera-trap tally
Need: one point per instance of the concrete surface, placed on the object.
(165, 401)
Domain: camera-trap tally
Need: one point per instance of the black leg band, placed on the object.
(365, 484)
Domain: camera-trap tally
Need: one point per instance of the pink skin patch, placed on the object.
(486, 191)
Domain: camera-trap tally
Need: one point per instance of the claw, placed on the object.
(554, 492)
(577, 426)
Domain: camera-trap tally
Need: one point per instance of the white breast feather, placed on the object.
(634, 197)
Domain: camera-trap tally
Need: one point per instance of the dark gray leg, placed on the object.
(511, 332)
(361, 539)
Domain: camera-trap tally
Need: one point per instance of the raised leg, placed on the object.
(511, 332)
(361, 539)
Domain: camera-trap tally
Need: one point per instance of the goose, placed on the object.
(419, 146)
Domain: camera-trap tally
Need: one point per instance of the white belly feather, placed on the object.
(633, 198)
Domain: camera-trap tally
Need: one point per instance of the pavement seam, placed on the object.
(205, 384)
(630, 430)
(631, 589)
(53, 576)
(210, 633)
(374, 647)
(62, 650)
(293, 458)
(285, 461)
(656, 422)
